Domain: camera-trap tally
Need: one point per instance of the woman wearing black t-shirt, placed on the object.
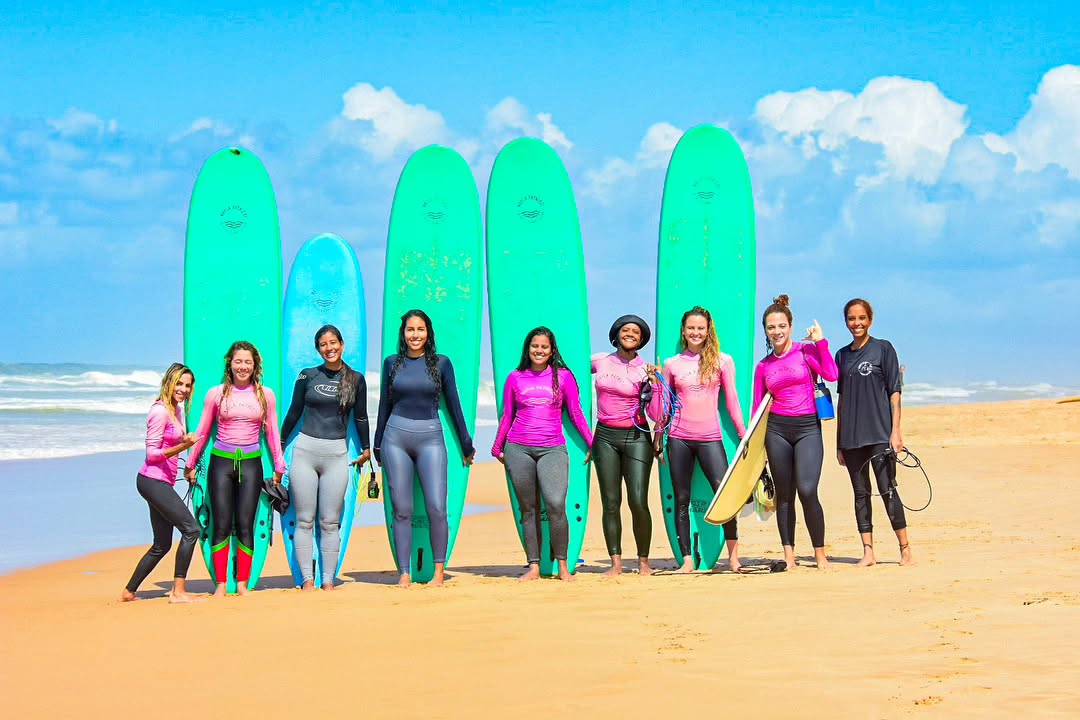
(869, 424)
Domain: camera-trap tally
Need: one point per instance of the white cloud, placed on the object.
(511, 115)
(911, 120)
(387, 123)
(75, 122)
(215, 128)
(1047, 134)
(653, 153)
(1059, 222)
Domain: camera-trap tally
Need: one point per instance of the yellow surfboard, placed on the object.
(743, 472)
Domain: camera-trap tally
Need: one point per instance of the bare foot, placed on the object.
(868, 558)
(532, 573)
(328, 586)
(219, 591)
(439, 578)
(905, 555)
(404, 580)
(686, 567)
(564, 572)
(820, 560)
(176, 598)
(735, 564)
(241, 588)
(789, 557)
(128, 596)
(643, 566)
(308, 586)
(616, 567)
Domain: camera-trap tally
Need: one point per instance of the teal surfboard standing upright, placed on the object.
(536, 276)
(707, 257)
(434, 263)
(325, 287)
(232, 291)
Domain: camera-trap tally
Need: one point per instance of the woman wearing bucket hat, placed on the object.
(627, 395)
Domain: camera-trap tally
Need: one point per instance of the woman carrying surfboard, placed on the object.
(622, 449)
(793, 434)
(870, 385)
(698, 376)
(325, 396)
(530, 442)
(166, 438)
(245, 412)
(409, 437)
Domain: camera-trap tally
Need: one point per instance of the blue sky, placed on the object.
(925, 158)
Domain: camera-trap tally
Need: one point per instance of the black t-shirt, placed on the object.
(315, 395)
(414, 396)
(868, 376)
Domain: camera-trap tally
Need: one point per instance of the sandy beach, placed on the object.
(987, 624)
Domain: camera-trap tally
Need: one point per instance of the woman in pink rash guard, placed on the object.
(243, 409)
(793, 434)
(531, 444)
(698, 376)
(166, 438)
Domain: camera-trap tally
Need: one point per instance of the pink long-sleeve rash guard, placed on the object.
(698, 417)
(240, 420)
(532, 414)
(617, 382)
(162, 432)
(789, 380)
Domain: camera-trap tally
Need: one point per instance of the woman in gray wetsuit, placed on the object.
(322, 400)
(409, 436)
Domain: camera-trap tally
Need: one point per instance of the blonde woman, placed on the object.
(243, 410)
(166, 438)
(697, 376)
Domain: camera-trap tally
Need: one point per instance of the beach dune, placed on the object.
(987, 624)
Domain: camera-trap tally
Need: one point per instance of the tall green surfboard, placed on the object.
(707, 256)
(232, 291)
(536, 276)
(434, 263)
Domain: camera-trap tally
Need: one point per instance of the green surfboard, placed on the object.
(707, 256)
(232, 291)
(434, 263)
(536, 276)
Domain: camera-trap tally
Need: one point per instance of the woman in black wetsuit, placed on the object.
(869, 425)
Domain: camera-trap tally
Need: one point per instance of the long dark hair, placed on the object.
(349, 378)
(554, 362)
(430, 358)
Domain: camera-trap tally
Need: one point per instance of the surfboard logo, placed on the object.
(530, 209)
(233, 218)
(706, 189)
(324, 301)
(434, 210)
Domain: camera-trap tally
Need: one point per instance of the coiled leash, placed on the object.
(907, 459)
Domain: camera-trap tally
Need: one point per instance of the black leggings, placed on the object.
(234, 495)
(855, 459)
(618, 454)
(167, 511)
(793, 447)
(680, 456)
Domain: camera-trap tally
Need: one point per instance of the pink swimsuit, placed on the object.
(617, 382)
(162, 432)
(698, 417)
(532, 416)
(240, 421)
(789, 380)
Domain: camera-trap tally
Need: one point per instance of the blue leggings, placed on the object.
(416, 447)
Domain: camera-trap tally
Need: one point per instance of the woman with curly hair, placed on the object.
(244, 411)
(409, 436)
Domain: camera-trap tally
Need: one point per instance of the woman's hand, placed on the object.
(814, 332)
(466, 462)
(189, 440)
(364, 457)
(895, 441)
(588, 458)
(501, 457)
(189, 474)
(277, 477)
(840, 458)
(653, 371)
(658, 449)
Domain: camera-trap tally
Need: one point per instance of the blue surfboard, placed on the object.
(325, 287)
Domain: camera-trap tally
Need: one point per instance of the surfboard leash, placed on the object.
(907, 459)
